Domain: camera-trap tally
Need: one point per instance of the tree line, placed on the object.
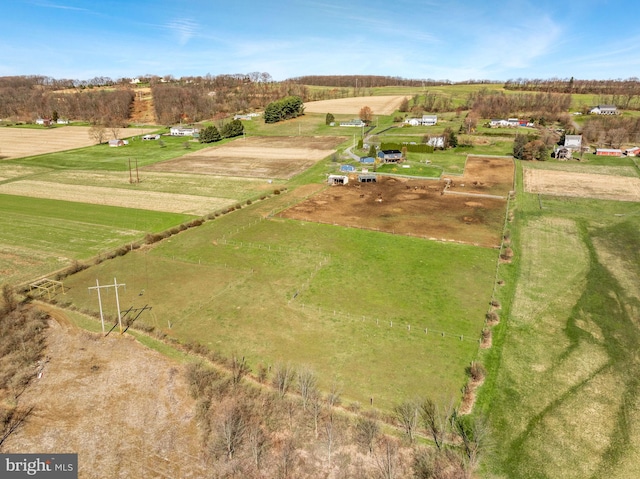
(364, 81)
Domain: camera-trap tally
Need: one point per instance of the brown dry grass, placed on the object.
(124, 409)
(380, 105)
(21, 142)
(581, 185)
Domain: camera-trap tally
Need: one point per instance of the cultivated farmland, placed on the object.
(582, 185)
(380, 105)
(270, 157)
(21, 142)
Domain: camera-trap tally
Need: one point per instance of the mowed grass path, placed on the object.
(318, 295)
(565, 401)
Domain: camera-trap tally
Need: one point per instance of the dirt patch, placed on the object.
(21, 142)
(581, 185)
(417, 207)
(100, 397)
(257, 157)
(380, 105)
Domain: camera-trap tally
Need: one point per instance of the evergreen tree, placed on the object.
(210, 135)
(329, 119)
(233, 128)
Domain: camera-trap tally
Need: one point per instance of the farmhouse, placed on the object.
(561, 152)
(43, 121)
(413, 121)
(604, 110)
(429, 120)
(390, 156)
(181, 131)
(61, 121)
(436, 141)
(116, 143)
(338, 180)
(496, 122)
(608, 152)
(353, 123)
(573, 142)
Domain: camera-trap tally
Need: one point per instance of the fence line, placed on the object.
(429, 332)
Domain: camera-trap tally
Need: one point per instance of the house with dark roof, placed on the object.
(390, 156)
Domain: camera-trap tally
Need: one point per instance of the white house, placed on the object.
(181, 131)
(436, 141)
(429, 120)
(573, 142)
(353, 123)
(413, 121)
(604, 110)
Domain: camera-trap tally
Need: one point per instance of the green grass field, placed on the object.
(39, 236)
(362, 300)
(563, 398)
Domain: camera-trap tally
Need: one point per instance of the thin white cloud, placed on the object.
(183, 29)
(60, 6)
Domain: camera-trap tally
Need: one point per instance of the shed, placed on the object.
(367, 160)
(151, 137)
(347, 168)
(635, 151)
(338, 180)
(367, 178)
(116, 143)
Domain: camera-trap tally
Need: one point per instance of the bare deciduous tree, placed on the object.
(307, 385)
(283, 376)
(239, 368)
(387, 459)
(98, 133)
(366, 433)
(435, 421)
(407, 415)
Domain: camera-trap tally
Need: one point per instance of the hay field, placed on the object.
(98, 195)
(21, 142)
(581, 185)
(256, 157)
(380, 105)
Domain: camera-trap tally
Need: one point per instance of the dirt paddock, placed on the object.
(468, 209)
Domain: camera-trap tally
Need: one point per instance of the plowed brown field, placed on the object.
(380, 105)
(21, 142)
(257, 157)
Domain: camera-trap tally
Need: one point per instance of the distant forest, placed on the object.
(104, 101)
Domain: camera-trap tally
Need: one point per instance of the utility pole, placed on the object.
(115, 285)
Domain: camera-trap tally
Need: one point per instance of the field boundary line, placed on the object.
(425, 331)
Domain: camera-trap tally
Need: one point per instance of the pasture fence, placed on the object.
(379, 322)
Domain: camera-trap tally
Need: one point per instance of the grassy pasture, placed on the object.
(238, 297)
(38, 236)
(564, 398)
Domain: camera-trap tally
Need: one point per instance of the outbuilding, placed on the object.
(608, 152)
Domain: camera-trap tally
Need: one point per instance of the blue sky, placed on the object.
(444, 40)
